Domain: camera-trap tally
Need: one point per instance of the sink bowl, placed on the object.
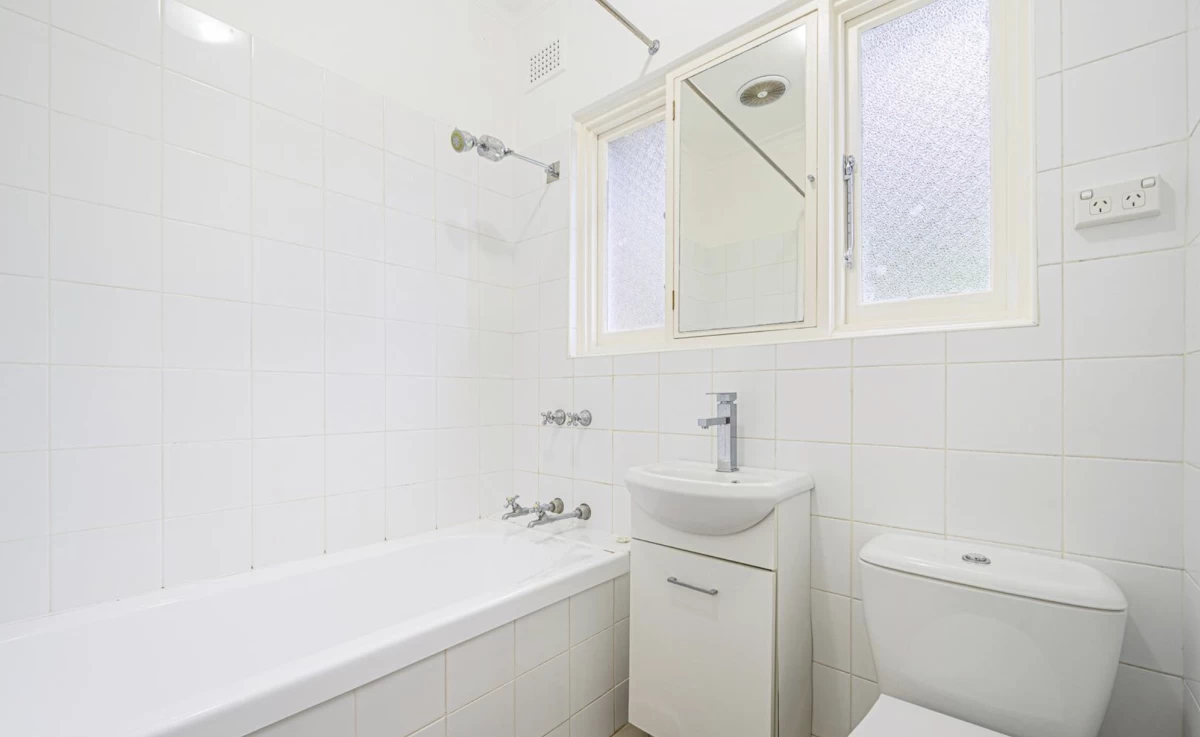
(696, 498)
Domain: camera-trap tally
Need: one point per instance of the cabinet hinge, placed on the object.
(672, 109)
(672, 299)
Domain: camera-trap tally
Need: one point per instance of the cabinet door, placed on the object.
(702, 664)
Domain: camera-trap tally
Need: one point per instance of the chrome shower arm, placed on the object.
(652, 44)
(552, 171)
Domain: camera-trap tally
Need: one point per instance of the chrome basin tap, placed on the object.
(726, 424)
(583, 512)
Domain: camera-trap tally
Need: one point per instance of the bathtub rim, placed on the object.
(275, 694)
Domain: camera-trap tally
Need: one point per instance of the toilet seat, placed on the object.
(891, 717)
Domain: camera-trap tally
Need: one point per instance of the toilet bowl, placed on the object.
(977, 641)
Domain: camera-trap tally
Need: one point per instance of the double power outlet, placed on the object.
(1116, 203)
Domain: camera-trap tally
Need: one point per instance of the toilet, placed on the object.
(978, 641)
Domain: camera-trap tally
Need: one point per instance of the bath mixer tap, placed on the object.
(555, 505)
(726, 423)
(583, 512)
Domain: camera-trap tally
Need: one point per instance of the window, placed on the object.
(774, 188)
(936, 167)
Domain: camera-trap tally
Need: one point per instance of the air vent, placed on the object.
(546, 62)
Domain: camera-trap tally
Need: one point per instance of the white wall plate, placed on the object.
(1117, 203)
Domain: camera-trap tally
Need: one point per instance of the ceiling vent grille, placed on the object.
(546, 62)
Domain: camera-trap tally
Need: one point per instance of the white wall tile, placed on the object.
(206, 546)
(24, 55)
(104, 245)
(206, 191)
(353, 520)
(1144, 703)
(902, 405)
(831, 555)
(199, 478)
(24, 325)
(110, 563)
(287, 275)
(354, 345)
(206, 405)
(355, 286)
(862, 662)
(354, 227)
(25, 494)
(206, 333)
(831, 630)
(353, 168)
(83, 73)
(831, 702)
(1132, 101)
(101, 326)
(187, 49)
(353, 111)
(24, 146)
(355, 462)
(1049, 106)
(489, 715)
(900, 487)
(288, 405)
(1127, 306)
(1153, 631)
(104, 487)
(1143, 420)
(288, 531)
(25, 576)
(205, 119)
(289, 211)
(595, 719)
(129, 25)
(24, 407)
(286, 82)
(1014, 407)
(813, 405)
(287, 339)
(91, 162)
(402, 702)
(830, 466)
(333, 718)
(105, 407)
(24, 232)
(895, 350)
(479, 665)
(1005, 498)
(591, 669)
(1127, 510)
(409, 133)
(1049, 216)
(591, 612)
(287, 469)
(410, 187)
(543, 697)
(288, 146)
(1047, 37)
(1092, 29)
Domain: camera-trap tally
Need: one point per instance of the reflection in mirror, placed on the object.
(742, 187)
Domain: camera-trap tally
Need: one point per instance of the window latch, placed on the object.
(848, 180)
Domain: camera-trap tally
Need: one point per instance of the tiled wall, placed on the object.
(560, 671)
(249, 310)
(1191, 419)
(1066, 438)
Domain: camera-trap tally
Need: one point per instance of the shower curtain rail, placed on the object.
(652, 44)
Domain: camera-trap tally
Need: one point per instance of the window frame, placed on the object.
(1011, 301)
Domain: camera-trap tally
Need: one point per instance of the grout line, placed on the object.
(49, 332)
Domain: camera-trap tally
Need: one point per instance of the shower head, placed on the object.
(493, 149)
(462, 141)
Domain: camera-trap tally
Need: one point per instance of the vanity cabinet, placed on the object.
(720, 634)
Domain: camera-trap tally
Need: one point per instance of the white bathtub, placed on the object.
(231, 656)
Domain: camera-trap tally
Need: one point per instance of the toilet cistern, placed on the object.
(726, 422)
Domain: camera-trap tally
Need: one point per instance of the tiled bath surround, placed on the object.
(1066, 439)
(563, 670)
(249, 311)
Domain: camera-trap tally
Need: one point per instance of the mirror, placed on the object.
(742, 188)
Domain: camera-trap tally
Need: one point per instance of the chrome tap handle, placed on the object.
(572, 419)
(584, 418)
(547, 418)
(558, 417)
(724, 397)
(511, 502)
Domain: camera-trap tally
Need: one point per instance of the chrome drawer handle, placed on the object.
(677, 582)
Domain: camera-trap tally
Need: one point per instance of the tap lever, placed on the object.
(724, 397)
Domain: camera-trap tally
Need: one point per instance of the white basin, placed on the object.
(695, 497)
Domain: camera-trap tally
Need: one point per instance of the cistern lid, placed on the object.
(996, 569)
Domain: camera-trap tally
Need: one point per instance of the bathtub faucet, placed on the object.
(583, 511)
(516, 510)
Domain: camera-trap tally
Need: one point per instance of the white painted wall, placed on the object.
(1066, 438)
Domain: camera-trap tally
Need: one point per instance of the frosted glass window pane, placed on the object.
(635, 229)
(925, 168)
